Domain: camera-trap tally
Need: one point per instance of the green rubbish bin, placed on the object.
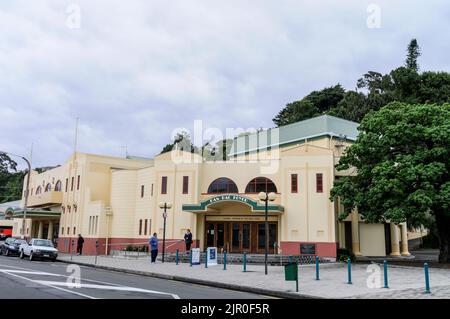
(291, 271)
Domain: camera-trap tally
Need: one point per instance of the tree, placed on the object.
(314, 104)
(10, 179)
(403, 170)
(413, 55)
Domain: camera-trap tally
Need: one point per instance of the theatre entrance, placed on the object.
(239, 237)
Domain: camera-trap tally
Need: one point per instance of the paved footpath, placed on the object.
(404, 282)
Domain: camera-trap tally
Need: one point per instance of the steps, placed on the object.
(273, 260)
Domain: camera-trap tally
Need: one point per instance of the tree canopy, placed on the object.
(373, 91)
(403, 169)
(10, 179)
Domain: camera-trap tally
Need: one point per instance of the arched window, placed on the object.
(38, 190)
(48, 188)
(222, 185)
(58, 186)
(260, 184)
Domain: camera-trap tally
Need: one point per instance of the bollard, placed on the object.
(176, 257)
(225, 260)
(317, 268)
(427, 278)
(206, 259)
(190, 258)
(245, 262)
(385, 266)
(96, 251)
(349, 266)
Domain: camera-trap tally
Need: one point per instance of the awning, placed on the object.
(19, 213)
(254, 205)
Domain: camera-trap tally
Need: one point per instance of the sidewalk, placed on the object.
(404, 282)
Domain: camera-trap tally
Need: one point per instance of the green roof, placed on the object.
(321, 126)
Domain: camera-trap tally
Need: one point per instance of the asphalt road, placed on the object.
(21, 278)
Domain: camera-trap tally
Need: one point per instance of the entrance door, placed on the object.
(240, 237)
(262, 237)
(215, 234)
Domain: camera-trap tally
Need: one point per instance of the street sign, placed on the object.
(195, 256)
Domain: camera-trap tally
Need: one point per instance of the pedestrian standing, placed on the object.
(188, 239)
(80, 244)
(153, 247)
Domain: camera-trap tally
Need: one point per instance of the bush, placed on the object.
(343, 254)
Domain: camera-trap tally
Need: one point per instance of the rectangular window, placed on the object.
(145, 227)
(68, 230)
(74, 230)
(67, 184)
(149, 226)
(78, 182)
(62, 230)
(96, 224)
(152, 191)
(185, 184)
(140, 226)
(142, 191)
(294, 183)
(164, 185)
(319, 183)
(71, 186)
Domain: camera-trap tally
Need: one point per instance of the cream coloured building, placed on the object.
(114, 201)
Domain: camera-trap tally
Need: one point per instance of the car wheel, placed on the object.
(7, 252)
(31, 256)
(1, 251)
(21, 254)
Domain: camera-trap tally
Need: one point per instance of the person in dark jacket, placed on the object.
(188, 239)
(80, 244)
(153, 247)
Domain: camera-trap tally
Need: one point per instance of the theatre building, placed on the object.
(115, 201)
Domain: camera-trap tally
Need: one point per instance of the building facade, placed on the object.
(114, 202)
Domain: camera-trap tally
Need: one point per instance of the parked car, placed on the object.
(11, 246)
(38, 248)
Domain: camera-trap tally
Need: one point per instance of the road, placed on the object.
(21, 278)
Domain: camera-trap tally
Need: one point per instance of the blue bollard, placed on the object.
(190, 257)
(245, 262)
(176, 258)
(349, 266)
(427, 279)
(206, 259)
(317, 268)
(225, 261)
(385, 266)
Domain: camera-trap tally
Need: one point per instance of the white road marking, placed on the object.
(53, 284)
(118, 288)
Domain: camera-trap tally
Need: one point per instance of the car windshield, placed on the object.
(43, 242)
(20, 241)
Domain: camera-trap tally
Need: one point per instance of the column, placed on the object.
(405, 251)
(355, 233)
(341, 230)
(395, 247)
(41, 229)
(50, 230)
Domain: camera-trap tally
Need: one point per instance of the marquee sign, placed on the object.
(254, 205)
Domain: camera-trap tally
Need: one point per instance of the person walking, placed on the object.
(80, 244)
(188, 239)
(153, 247)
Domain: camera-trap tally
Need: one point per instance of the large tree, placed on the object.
(402, 159)
(10, 179)
(413, 55)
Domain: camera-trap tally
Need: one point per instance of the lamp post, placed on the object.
(165, 206)
(266, 197)
(27, 190)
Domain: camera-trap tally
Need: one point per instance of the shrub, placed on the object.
(343, 254)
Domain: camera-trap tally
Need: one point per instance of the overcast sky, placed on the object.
(133, 71)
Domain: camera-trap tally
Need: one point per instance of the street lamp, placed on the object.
(266, 197)
(27, 189)
(165, 206)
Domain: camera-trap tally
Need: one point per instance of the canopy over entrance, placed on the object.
(254, 205)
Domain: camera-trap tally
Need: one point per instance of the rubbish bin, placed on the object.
(291, 271)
